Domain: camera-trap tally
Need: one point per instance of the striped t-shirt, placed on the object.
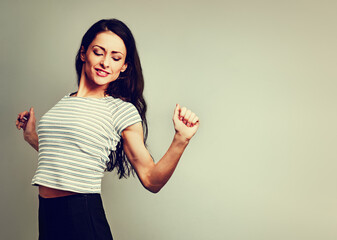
(76, 137)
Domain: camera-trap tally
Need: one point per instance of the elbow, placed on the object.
(152, 181)
(151, 187)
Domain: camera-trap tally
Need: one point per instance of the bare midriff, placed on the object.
(47, 192)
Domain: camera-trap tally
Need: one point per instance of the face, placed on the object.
(104, 59)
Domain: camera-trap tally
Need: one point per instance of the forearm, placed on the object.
(154, 176)
(33, 140)
(163, 170)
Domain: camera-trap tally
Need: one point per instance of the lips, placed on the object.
(101, 72)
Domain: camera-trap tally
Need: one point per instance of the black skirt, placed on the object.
(73, 217)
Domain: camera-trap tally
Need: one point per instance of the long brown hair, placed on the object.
(128, 86)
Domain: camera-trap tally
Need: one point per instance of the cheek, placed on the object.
(88, 69)
(117, 69)
(115, 75)
(88, 64)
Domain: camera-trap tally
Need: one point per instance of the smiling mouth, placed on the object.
(101, 72)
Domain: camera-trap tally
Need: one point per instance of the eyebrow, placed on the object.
(105, 50)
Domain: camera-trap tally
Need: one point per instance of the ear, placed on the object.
(124, 67)
(82, 54)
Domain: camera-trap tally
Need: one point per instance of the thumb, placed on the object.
(177, 111)
(31, 113)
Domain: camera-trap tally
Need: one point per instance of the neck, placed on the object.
(85, 92)
(88, 89)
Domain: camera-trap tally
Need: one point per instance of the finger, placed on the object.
(31, 113)
(23, 119)
(195, 120)
(187, 115)
(23, 114)
(24, 126)
(17, 123)
(182, 113)
(196, 124)
(26, 117)
(20, 125)
(176, 111)
(190, 119)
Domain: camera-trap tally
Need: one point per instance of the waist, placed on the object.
(70, 201)
(47, 192)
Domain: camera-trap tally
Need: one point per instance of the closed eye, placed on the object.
(98, 54)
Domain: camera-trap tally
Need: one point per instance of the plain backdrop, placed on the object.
(260, 74)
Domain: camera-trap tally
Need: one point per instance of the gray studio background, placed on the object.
(260, 74)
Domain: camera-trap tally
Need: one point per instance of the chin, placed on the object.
(102, 82)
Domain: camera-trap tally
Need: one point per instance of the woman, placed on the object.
(94, 130)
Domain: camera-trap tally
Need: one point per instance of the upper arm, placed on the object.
(136, 152)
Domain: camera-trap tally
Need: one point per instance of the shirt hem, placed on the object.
(37, 183)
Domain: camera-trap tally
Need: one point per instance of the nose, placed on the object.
(105, 62)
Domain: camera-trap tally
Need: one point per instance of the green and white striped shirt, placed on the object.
(76, 137)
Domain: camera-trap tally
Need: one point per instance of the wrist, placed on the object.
(181, 139)
(30, 137)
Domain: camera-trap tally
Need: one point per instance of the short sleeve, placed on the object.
(125, 116)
